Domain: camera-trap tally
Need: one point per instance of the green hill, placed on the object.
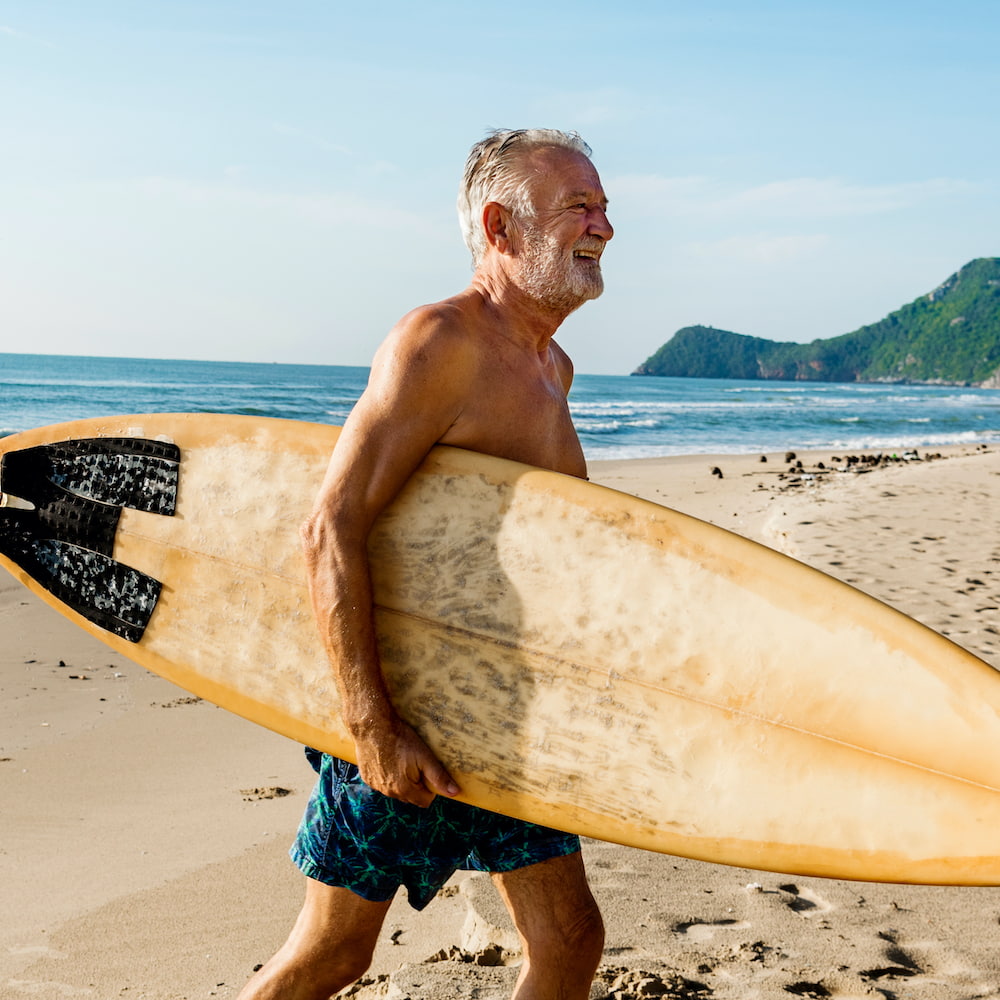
(950, 336)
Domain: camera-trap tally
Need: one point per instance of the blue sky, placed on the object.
(276, 181)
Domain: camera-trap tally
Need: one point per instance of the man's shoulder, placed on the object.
(459, 312)
(443, 326)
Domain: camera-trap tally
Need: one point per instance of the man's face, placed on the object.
(562, 242)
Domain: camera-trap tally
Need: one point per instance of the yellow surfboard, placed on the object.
(576, 656)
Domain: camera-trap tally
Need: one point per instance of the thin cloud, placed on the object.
(828, 197)
(9, 32)
(763, 249)
(325, 209)
(795, 198)
(318, 141)
(604, 106)
(668, 195)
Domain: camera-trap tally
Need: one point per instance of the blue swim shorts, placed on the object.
(355, 837)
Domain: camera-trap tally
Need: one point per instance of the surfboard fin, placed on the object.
(62, 506)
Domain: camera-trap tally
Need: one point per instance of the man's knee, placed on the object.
(343, 964)
(299, 970)
(561, 957)
(583, 932)
(555, 913)
(330, 946)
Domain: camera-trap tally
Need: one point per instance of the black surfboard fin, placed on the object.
(60, 508)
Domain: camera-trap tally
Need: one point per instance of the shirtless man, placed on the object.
(479, 371)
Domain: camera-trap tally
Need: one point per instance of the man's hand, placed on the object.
(399, 764)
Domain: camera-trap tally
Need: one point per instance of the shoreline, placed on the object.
(145, 832)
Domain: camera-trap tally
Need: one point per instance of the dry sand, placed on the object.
(143, 833)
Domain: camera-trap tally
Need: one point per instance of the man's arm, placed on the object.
(415, 393)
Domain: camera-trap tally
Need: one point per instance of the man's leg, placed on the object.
(329, 947)
(560, 927)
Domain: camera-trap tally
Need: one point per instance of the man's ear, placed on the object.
(499, 227)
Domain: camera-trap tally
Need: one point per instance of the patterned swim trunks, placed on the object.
(355, 837)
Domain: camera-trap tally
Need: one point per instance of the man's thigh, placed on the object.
(333, 918)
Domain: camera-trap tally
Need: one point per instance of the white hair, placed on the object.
(493, 173)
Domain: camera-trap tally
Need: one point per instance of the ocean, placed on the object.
(617, 416)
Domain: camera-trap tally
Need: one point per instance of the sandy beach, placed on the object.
(144, 832)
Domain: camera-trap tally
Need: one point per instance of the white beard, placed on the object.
(561, 283)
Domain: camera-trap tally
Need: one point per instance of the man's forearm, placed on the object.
(341, 591)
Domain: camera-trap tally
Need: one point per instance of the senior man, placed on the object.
(479, 370)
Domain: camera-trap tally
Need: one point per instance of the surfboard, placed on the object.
(576, 656)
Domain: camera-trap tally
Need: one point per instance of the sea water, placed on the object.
(617, 416)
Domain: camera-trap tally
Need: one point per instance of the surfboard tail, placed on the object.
(59, 511)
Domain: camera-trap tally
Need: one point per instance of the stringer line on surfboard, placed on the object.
(729, 710)
(705, 636)
(61, 530)
(486, 637)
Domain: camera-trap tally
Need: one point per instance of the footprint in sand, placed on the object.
(701, 933)
(804, 901)
(624, 984)
(815, 991)
(267, 792)
(901, 964)
(910, 959)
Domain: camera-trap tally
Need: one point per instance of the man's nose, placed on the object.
(600, 224)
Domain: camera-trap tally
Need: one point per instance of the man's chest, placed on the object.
(523, 420)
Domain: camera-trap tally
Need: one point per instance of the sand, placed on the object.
(143, 833)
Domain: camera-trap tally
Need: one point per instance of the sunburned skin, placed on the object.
(479, 370)
(504, 400)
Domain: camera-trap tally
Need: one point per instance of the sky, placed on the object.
(275, 181)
